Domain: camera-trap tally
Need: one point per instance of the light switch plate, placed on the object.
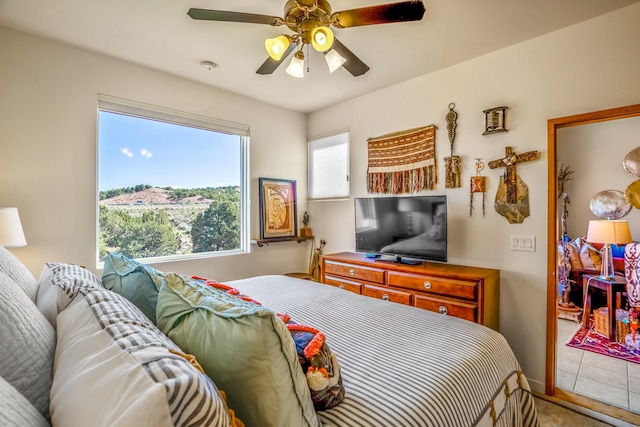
(522, 242)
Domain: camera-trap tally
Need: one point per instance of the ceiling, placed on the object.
(160, 35)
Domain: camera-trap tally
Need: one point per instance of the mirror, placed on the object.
(556, 133)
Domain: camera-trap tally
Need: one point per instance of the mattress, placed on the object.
(403, 366)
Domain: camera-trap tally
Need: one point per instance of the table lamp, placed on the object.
(608, 232)
(11, 234)
(409, 205)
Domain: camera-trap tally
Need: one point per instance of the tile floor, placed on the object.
(600, 377)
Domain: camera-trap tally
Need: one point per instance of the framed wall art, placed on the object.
(278, 211)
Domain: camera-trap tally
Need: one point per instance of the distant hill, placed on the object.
(152, 196)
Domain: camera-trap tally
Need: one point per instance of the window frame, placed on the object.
(339, 137)
(116, 105)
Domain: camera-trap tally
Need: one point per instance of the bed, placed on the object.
(142, 347)
(403, 366)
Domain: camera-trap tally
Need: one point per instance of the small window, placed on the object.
(171, 185)
(329, 166)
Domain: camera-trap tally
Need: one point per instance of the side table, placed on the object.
(612, 288)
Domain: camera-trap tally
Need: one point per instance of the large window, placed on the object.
(329, 166)
(170, 184)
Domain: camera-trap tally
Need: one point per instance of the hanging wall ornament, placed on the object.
(452, 164)
(478, 185)
(512, 198)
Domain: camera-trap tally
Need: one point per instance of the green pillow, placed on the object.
(137, 282)
(245, 348)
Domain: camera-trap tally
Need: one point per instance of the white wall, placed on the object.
(587, 67)
(48, 113)
(595, 153)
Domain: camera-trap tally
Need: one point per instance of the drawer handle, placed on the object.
(352, 271)
(341, 286)
(385, 297)
(427, 285)
(442, 309)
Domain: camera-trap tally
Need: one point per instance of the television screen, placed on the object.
(403, 227)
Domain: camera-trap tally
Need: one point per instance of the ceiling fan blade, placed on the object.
(354, 65)
(381, 14)
(223, 15)
(270, 65)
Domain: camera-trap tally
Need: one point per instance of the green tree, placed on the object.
(136, 237)
(217, 228)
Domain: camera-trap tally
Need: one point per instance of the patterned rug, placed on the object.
(590, 340)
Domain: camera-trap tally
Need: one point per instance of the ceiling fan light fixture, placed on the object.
(322, 38)
(277, 46)
(334, 60)
(296, 67)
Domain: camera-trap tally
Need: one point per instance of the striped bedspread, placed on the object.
(404, 366)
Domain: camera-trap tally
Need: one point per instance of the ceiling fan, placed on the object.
(310, 21)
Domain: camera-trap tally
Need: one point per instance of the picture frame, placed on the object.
(278, 208)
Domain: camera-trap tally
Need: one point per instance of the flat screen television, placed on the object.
(411, 229)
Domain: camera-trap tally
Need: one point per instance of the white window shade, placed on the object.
(329, 166)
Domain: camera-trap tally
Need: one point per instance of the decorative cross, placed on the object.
(509, 162)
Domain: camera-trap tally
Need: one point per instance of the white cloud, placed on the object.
(145, 153)
(127, 152)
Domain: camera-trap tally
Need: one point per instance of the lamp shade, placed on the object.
(334, 60)
(408, 204)
(606, 231)
(11, 234)
(276, 47)
(296, 67)
(322, 39)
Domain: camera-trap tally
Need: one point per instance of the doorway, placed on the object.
(552, 389)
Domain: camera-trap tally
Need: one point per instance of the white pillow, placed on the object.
(18, 272)
(58, 285)
(114, 368)
(27, 345)
(16, 410)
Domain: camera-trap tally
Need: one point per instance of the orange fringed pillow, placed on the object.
(319, 364)
(226, 288)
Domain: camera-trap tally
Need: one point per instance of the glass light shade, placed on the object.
(608, 233)
(11, 234)
(334, 60)
(276, 47)
(296, 67)
(322, 39)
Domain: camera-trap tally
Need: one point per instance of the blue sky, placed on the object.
(136, 151)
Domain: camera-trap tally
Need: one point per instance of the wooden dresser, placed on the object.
(467, 292)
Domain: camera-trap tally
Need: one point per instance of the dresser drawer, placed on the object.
(374, 275)
(438, 285)
(452, 307)
(387, 294)
(343, 284)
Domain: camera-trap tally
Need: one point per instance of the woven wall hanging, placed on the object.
(403, 162)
